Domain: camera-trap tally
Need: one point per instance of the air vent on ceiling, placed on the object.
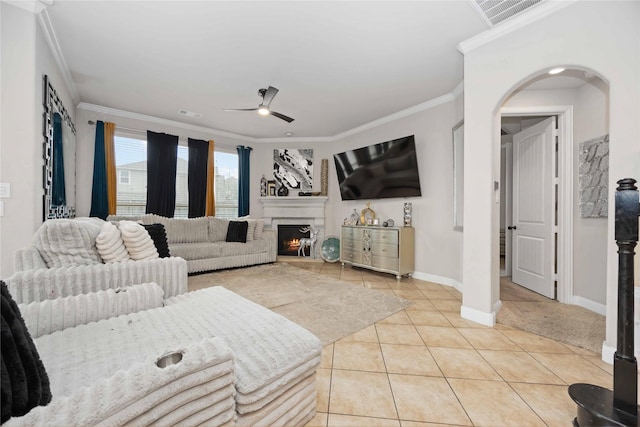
(496, 11)
(191, 114)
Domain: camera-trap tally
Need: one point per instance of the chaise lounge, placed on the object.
(232, 362)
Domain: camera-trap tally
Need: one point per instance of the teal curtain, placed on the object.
(99, 199)
(58, 195)
(244, 179)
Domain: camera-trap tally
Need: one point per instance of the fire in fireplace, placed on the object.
(289, 239)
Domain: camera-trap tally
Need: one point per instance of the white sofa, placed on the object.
(201, 241)
(241, 364)
(63, 260)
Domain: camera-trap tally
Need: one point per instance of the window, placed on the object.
(226, 179)
(124, 176)
(131, 167)
(131, 159)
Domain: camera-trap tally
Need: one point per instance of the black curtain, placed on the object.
(162, 159)
(243, 179)
(197, 178)
(99, 198)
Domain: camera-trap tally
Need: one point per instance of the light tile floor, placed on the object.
(426, 366)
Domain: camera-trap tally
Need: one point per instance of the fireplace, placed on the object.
(289, 239)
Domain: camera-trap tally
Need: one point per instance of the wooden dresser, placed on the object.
(385, 249)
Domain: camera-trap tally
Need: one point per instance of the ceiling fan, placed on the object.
(263, 109)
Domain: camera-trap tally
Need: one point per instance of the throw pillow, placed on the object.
(110, 245)
(137, 241)
(237, 231)
(68, 242)
(251, 228)
(159, 237)
(25, 383)
(257, 230)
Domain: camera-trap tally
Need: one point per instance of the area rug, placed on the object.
(329, 308)
(569, 324)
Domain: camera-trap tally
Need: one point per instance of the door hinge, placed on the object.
(556, 229)
(554, 277)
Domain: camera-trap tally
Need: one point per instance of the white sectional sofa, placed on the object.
(201, 241)
(63, 260)
(239, 364)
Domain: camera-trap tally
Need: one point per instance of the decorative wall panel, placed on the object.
(594, 177)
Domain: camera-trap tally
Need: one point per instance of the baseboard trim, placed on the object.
(440, 280)
(487, 319)
(596, 307)
(608, 353)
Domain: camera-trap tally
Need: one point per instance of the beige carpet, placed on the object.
(534, 313)
(329, 308)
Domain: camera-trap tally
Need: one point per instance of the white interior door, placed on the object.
(533, 208)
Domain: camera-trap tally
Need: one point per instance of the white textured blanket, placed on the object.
(45, 317)
(271, 351)
(144, 391)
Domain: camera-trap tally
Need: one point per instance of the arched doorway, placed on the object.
(573, 106)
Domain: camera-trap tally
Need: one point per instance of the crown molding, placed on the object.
(28, 5)
(161, 121)
(458, 90)
(152, 119)
(54, 47)
(532, 15)
(400, 114)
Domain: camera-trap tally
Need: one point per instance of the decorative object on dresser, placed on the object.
(353, 219)
(389, 250)
(367, 215)
(390, 223)
(407, 213)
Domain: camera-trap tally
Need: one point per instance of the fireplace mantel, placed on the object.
(281, 209)
(295, 210)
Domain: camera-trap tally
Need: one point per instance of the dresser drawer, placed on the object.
(384, 249)
(351, 244)
(385, 236)
(351, 233)
(351, 256)
(386, 263)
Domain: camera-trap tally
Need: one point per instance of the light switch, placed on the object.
(5, 190)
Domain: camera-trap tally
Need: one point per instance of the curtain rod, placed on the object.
(144, 132)
(91, 122)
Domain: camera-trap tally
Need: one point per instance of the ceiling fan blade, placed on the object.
(240, 109)
(269, 95)
(281, 116)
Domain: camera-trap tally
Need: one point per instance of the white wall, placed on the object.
(438, 247)
(598, 36)
(25, 59)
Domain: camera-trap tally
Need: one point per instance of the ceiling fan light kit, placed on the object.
(263, 109)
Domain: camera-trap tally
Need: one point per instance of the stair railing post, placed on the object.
(625, 367)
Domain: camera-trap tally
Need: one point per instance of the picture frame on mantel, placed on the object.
(271, 188)
(458, 175)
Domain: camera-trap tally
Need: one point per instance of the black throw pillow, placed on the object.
(237, 231)
(159, 236)
(25, 383)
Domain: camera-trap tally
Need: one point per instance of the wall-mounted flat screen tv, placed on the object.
(379, 171)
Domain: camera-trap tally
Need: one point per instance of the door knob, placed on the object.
(512, 227)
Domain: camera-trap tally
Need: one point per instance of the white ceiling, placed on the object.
(338, 65)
